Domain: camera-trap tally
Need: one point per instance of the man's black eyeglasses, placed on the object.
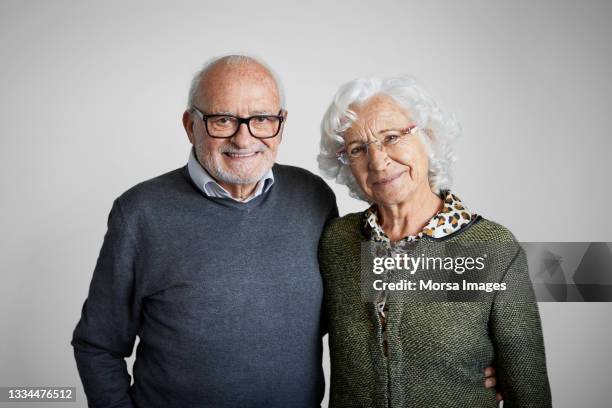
(225, 126)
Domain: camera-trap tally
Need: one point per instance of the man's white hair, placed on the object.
(229, 60)
(442, 129)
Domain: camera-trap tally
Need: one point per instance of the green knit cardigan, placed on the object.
(437, 351)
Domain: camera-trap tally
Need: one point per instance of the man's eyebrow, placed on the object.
(251, 113)
(261, 112)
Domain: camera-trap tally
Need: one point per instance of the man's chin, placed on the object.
(242, 176)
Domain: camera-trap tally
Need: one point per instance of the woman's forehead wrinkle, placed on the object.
(373, 117)
(373, 125)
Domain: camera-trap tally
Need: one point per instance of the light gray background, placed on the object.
(92, 94)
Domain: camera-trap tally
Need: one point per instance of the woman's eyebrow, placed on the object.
(393, 130)
(358, 141)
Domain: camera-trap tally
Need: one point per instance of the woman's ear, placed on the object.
(430, 135)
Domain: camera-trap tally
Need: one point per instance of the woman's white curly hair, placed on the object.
(441, 128)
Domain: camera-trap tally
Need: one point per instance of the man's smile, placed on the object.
(241, 156)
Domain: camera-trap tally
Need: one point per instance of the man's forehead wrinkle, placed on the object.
(223, 76)
(254, 101)
(222, 71)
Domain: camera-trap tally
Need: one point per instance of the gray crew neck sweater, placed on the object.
(225, 297)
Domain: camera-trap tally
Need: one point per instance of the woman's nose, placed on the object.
(377, 156)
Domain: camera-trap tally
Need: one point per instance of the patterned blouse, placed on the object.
(451, 218)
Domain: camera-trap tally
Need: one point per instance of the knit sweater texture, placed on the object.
(225, 297)
(437, 350)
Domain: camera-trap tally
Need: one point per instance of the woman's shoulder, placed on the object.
(340, 247)
(342, 231)
(490, 237)
(483, 229)
(349, 224)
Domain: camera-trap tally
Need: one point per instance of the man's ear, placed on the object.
(284, 114)
(188, 124)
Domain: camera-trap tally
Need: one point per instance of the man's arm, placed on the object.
(109, 322)
(331, 214)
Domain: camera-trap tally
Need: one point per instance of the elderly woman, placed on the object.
(388, 141)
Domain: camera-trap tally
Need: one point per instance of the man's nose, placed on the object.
(242, 138)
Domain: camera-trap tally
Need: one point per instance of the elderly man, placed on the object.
(213, 265)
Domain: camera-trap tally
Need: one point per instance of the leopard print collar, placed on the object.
(451, 218)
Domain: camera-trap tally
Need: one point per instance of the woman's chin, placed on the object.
(394, 192)
(389, 197)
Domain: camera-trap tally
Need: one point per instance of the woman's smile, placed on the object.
(383, 182)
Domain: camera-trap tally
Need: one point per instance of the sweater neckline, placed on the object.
(226, 202)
